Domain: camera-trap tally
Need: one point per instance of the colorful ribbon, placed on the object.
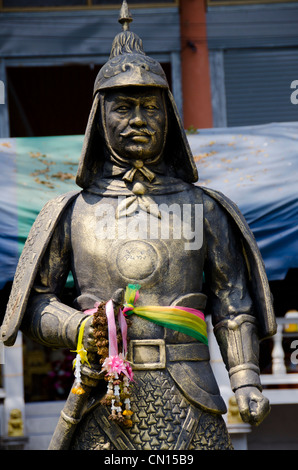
(186, 320)
(81, 358)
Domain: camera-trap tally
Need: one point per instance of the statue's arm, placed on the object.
(235, 325)
(48, 320)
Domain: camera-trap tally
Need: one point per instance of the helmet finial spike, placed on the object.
(125, 17)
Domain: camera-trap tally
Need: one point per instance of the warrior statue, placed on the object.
(141, 228)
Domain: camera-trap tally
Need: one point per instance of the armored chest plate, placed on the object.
(156, 252)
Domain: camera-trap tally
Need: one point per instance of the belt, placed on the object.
(152, 354)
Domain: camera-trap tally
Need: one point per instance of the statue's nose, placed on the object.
(137, 118)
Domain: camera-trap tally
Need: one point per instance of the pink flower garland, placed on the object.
(118, 369)
(117, 365)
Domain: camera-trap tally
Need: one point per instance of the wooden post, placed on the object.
(197, 108)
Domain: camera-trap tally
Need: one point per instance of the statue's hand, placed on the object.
(252, 404)
(88, 338)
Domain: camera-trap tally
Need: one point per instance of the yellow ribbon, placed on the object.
(81, 351)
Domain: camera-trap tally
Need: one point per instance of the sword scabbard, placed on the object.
(73, 410)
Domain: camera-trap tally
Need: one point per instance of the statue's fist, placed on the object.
(252, 404)
(89, 341)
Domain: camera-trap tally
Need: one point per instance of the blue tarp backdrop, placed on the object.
(256, 167)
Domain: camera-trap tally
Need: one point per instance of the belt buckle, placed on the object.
(147, 354)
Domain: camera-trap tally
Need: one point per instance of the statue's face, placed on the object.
(135, 121)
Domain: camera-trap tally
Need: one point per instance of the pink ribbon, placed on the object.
(113, 347)
(117, 362)
(91, 311)
(123, 327)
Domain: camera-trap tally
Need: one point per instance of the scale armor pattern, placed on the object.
(160, 413)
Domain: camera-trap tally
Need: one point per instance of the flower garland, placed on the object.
(118, 371)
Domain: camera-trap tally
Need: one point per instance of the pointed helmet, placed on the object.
(129, 66)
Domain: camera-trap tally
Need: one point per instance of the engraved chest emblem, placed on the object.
(137, 259)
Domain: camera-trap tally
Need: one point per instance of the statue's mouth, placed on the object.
(141, 133)
(141, 138)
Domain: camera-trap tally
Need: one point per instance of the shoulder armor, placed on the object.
(34, 248)
(260, 290)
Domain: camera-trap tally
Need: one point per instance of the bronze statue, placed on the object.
(140, 220)
(15, 423)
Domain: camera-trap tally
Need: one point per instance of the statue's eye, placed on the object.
(123, 108)
(151, 107)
